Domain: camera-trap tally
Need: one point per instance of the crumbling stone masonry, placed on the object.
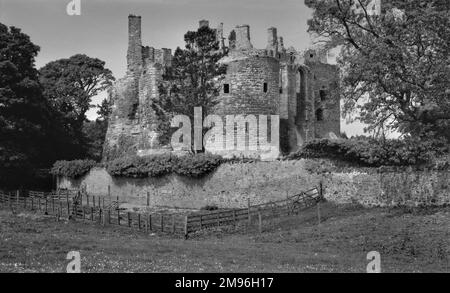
(133, 126)
(301, 88)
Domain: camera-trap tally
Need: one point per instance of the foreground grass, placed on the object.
(416, 240)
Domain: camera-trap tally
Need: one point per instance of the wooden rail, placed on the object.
(75, 205)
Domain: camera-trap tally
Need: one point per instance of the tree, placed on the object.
(95, 131)
(26, 126)
(395, 65)
(191, 81)
(69, 84)
(104, 110)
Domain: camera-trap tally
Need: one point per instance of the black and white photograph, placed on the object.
(225, 144)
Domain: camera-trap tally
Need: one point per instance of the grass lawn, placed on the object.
(409, 240)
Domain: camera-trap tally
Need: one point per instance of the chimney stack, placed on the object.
(134, 55)
(203, 23)
(272, 41)
(243, 37)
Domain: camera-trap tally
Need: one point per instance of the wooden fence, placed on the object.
(289, 206)
(78, 205)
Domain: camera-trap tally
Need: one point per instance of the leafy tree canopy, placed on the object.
(395, 65)
(69, 84)
(191, 81)
(24, 114)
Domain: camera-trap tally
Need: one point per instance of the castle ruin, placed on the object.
(301, 88)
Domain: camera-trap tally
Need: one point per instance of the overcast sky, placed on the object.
(101, 29)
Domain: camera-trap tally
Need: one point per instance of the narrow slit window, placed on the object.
(319, 115)
(226, 88)
(265, 87)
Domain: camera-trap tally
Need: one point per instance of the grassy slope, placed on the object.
(408, 240)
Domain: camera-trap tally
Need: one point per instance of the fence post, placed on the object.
(17, 198)
(249, 215)
(150, 222)
(39, 204)
(58, 192)
(109, 195)
(201, 223)
(46, 204)
(259, 223)
(288, 204)
(68, 204)
(148, 198)
(92, 214)
(32, 203)
(139, 221)
(186, 227)
(118, 217)
(129, 219)
(53, 204)
(146, 225)
(234, 218)
(320, 189)
(318, 212)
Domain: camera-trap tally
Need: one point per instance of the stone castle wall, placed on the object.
(232, 185)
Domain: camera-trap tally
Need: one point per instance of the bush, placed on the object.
(141, 167)
(72, 169)
(373, 153)
(160, 165)
(197, 165)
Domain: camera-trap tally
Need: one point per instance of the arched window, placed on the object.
(319, 115)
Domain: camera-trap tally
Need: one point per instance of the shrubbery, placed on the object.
(72, 169)
(373, 153)
(141, 167)
(160, 165)
(198, 165)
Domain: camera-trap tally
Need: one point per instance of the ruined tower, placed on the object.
(299, 88)
(133, 125)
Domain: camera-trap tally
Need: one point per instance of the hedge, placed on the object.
(141, 167)
(371, 152)
(159, 165)
(198, 165)
(72, 169)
